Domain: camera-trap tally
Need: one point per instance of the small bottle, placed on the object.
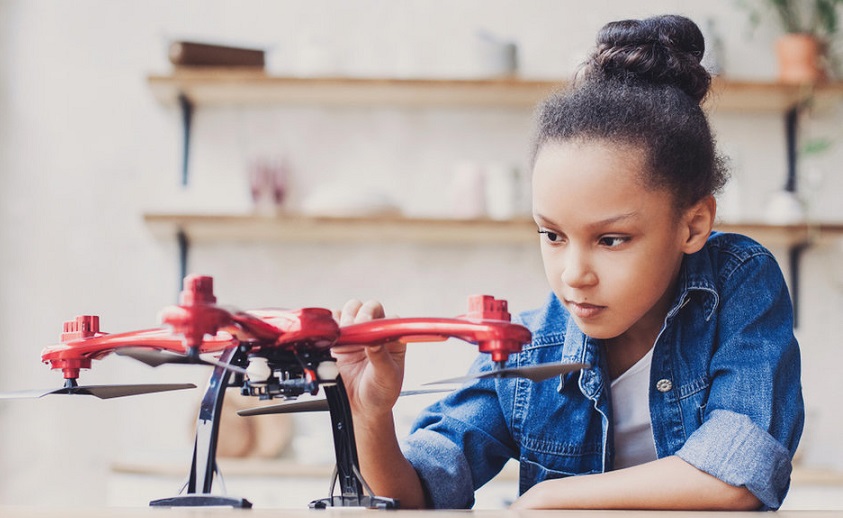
(468, 191)
(502, 191)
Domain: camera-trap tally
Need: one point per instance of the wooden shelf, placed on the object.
(218, 87)
(297, 228)
(774, 97)
(785, 235)
(224, 87)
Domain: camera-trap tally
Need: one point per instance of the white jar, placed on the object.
(503, 191)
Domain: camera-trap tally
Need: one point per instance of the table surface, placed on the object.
(132, 512)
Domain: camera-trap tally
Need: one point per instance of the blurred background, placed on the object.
(413, 193)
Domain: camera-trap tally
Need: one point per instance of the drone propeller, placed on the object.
(315, 405)
(100, 391)
(532, 372)
(156, 358)
(311, 405)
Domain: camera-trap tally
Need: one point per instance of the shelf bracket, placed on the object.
(791, 125)
(186, 107)
(794, 254)
(795, 251)
(184, 249)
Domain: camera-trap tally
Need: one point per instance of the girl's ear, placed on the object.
(697, 223)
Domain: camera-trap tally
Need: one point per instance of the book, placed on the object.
(196, 54)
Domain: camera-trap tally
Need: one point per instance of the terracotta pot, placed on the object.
(801, 59)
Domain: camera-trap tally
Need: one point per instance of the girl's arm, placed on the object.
(382, 464)
(667, 483)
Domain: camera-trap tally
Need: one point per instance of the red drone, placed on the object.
(273, 353)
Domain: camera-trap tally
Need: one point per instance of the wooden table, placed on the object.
(133, 512)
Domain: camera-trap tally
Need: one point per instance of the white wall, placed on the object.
(85, 150)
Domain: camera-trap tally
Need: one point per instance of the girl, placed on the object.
(693, 400)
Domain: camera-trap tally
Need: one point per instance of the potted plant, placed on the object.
(809, 27)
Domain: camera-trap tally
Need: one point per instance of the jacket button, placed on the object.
(664, 385)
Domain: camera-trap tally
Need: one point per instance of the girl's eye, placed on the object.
(551, 237)
(613, 241)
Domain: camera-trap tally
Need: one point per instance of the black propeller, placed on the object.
(157, 357)
(100, 391)
(532, 372)
(311, 405)
(315, 405)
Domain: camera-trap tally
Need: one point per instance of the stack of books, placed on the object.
(195, 54)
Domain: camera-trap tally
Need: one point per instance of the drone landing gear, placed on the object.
(202, 501)
(347, 470)
(354, 490)
(204, 465)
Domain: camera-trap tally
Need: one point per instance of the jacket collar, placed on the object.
(697, 275)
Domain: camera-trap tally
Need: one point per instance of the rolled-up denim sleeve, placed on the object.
(447, 485)
(732, 448)
(460, 443)
(754, 413)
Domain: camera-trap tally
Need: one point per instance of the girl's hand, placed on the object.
(372, 375)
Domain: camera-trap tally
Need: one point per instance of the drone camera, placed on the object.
(278, 383)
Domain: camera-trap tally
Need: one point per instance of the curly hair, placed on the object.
(643, 87)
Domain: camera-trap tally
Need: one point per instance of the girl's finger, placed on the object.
(347, 349)
(349, 312)
(371, 310)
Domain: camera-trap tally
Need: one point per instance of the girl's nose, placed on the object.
(578, 272)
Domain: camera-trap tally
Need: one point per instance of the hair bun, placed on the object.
(665, 50)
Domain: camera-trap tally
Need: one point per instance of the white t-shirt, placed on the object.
(634, 442)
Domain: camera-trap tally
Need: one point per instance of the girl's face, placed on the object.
(611, 248)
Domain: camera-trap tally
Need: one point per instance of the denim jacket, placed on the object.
(725, 391)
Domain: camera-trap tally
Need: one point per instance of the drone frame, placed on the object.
(294, 344)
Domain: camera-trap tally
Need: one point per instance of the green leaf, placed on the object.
(815, 146)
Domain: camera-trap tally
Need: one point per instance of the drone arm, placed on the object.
(78, 352)
(496, 337)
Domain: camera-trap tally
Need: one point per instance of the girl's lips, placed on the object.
(585, 311)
